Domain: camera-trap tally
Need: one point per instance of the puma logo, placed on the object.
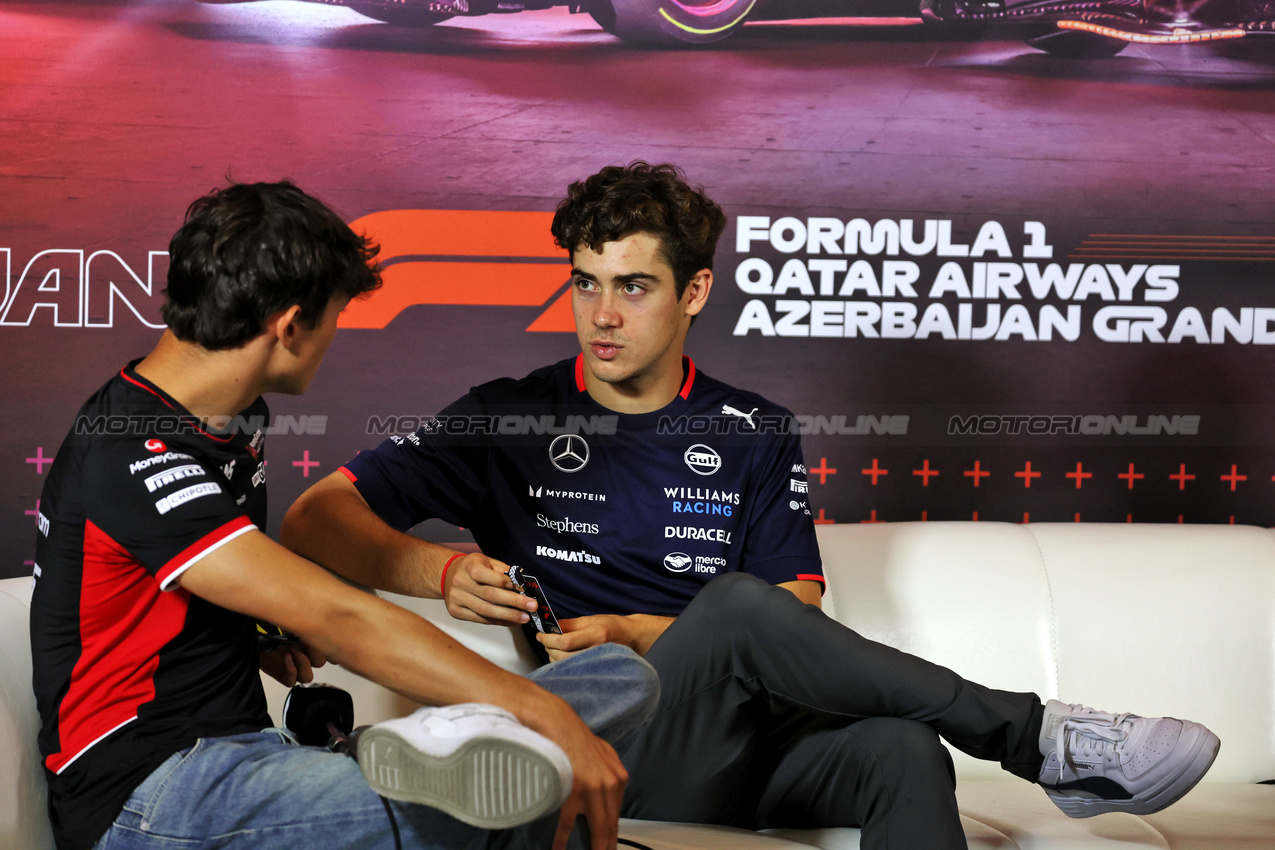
(727, 410)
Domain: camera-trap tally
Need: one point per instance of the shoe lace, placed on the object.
(1093, 732)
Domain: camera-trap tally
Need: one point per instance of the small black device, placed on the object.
(542, 617)
(319, 715)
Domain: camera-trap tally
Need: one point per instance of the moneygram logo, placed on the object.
(464, 257)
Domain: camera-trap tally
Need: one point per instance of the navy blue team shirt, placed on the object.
(613, 513)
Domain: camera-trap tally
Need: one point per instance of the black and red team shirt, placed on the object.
(129, 668)
(613, 513)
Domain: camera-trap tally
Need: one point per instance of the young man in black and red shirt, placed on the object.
(666, 511)
(153, 571)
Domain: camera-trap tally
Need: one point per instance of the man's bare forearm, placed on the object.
(333, 526)
(363, 633)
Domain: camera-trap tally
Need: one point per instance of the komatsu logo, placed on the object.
(576, 557)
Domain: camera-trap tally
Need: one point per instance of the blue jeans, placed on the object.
(263, 791)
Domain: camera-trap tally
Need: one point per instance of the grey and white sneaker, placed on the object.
(473, 761)
(1097, 762)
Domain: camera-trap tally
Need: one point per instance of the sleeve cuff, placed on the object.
(211, 542)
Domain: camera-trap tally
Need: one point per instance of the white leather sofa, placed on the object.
(1154, 619)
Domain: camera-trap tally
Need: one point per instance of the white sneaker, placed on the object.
(475, 762)
(1097, 762)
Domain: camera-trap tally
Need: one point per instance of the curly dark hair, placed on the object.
(639, 197)
(253, 249)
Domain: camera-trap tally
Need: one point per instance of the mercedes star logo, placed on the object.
(569, 453)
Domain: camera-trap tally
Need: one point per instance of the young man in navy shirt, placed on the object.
(663, 510)
(153, 570)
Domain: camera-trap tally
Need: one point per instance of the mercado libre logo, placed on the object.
(465, 257)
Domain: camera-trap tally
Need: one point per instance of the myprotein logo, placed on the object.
(465, 257)
(543, 492)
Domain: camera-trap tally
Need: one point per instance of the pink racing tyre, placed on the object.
(671, 22)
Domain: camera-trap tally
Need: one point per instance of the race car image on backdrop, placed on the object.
(1072, 28)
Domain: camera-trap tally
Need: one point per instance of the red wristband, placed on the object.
(442, 583)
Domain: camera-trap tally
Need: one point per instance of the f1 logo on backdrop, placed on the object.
(462, 257)
(468, 257)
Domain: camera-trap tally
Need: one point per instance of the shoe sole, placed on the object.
(488, 782)
(1203, 750)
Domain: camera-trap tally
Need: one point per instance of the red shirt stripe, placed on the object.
(125, 619)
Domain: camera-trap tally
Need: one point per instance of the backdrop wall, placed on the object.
(990, 283)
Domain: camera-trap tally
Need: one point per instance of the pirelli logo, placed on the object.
(465, 257)
(177, 473)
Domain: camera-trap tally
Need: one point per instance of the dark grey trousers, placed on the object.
(772, 714)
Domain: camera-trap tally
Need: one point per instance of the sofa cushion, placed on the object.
(1175, 620)
(24, 821)
(970, 596)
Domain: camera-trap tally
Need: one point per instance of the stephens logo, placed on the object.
(469, 257)
(569, 453)
(702, 460)
(566, 525)
(154, 445)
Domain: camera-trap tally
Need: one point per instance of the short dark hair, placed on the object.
(619, 201)
(252, 249)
